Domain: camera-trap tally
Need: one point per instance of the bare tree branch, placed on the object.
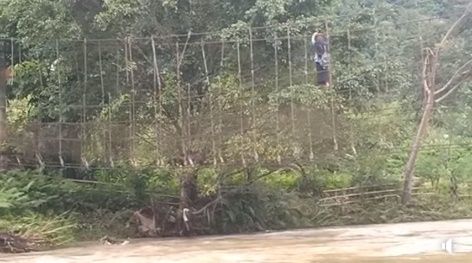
(425, 66)
(449, 92)
(214, 202)
(454, 26)
(458, 72)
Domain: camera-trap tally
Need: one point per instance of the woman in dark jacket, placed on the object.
(320, 49)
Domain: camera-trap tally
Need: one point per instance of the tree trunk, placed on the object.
(3, 105)
(410, 166)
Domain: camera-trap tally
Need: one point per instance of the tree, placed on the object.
(4, 75)
(434, 95)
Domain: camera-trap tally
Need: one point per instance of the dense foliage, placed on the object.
(240, 94)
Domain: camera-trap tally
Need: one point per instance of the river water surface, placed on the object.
(445, 241)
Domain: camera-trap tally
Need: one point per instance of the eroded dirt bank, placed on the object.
(415, 242)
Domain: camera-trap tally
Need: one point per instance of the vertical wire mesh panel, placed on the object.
(247, 98)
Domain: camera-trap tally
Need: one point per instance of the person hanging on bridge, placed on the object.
(320, 49)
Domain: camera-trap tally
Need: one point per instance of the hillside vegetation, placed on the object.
(212, 106)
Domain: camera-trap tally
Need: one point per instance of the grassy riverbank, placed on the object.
(47, 207)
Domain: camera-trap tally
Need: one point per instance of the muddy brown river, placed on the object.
(445, 241)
